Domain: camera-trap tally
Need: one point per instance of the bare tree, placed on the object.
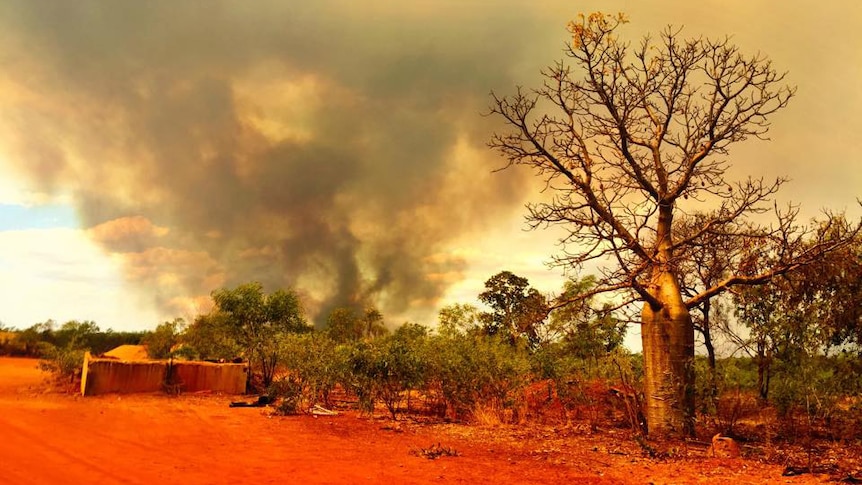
(626, 138)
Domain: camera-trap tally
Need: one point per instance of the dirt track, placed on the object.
(51, 438)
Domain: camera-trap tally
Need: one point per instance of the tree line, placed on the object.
(483, 361)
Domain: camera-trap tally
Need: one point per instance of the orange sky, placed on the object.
(335, 147)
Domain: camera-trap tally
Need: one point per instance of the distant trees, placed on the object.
(459, 318)
(162, 341)
(31, 338)
(585, 331)
(517, 309)
(62, 348)
(346, 324)
(37, 340)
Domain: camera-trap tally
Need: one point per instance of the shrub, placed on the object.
(401, 366)
(292, 399)
(64, 362)
(820, 390)
(465, 370)
(313, 365)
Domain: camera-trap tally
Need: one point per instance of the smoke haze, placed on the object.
(214, 143)
(336, 147)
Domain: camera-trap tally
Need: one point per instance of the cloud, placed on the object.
(332, 145)
(60, 274)
(127, 234)
(329, 146)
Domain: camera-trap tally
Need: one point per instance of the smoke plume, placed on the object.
(335, 147)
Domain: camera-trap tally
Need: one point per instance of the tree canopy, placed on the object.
(517, 309)
(256, 320)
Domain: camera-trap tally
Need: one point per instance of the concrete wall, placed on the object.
(105, 376)
(207, 376)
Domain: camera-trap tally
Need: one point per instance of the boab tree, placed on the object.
(626, 137)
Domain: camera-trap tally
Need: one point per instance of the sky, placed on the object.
(151, 152)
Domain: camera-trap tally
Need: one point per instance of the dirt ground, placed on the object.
(47, 437)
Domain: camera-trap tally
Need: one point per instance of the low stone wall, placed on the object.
(106, 376)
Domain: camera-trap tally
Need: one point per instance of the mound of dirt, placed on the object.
(128, 352)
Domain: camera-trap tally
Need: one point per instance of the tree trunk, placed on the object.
(764, 362)
(710, 349)
(707, 336)
(668, 349)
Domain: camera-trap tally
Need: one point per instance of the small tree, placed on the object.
(212, 337)
(347, 325)
(314, 365)
(161, 342)
(256, 320)
(403, 365)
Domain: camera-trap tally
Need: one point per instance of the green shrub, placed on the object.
(313, 365)
(401, 366)
(64, 362)
(466, 370)
(290, 394)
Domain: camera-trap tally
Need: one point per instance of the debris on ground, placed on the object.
(434, 451)
(259, 403)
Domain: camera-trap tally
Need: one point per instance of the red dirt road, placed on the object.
(51, 438)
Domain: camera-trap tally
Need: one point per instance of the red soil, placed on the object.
(53, 438)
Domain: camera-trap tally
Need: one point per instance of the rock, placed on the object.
(723, 447)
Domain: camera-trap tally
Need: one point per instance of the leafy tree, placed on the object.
(459, 318)
(211, 337)
(256, 320)
(75, 334)
(315, 364)
(584, 331)
(801, 314)
(348, 325)
(161, 342)
(624, 135)
(830, 293)
(518, 309)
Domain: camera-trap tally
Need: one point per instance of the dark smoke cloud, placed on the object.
(333, 146)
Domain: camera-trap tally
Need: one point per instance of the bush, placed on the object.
(466, 370)
(289, 391)
(64, 362)
(583, 383)
(313, 365)
(401, 366)
(821, 391)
